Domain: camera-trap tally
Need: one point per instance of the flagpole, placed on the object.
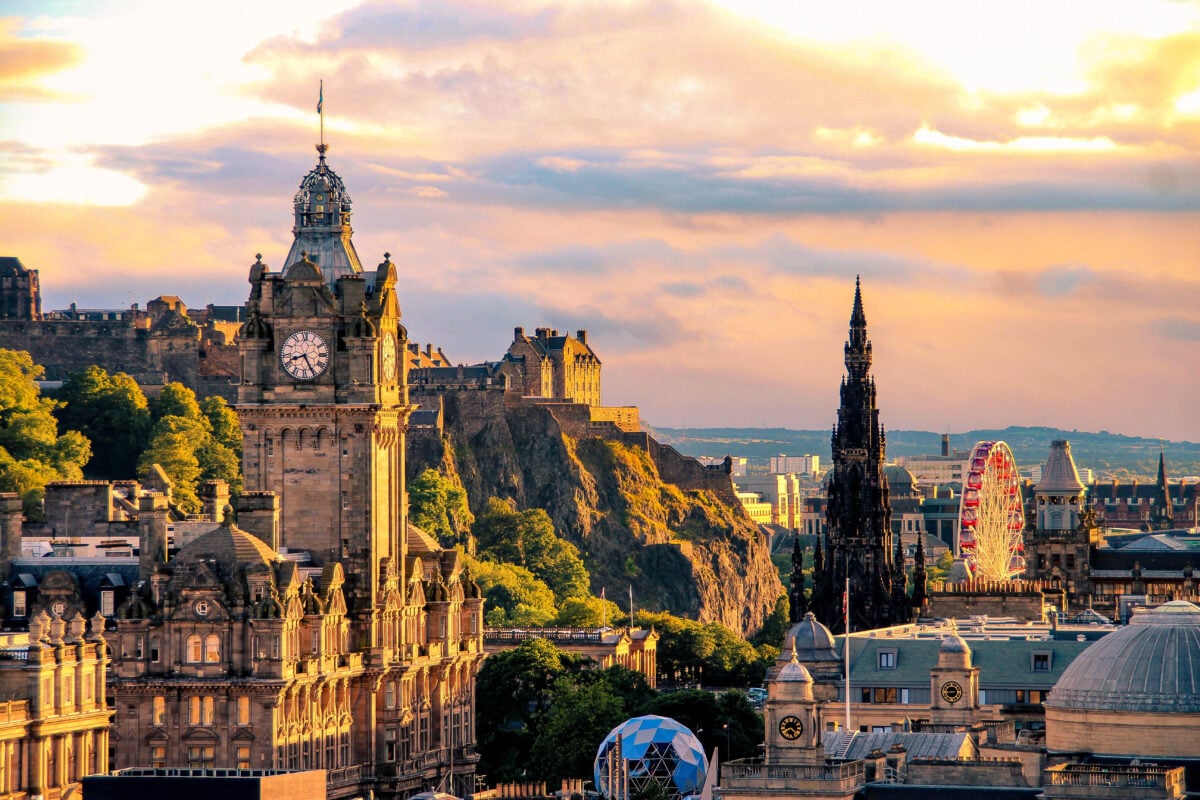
(321, 111)
(847, 646)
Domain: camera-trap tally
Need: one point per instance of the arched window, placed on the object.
(212, 649)
(193, 649)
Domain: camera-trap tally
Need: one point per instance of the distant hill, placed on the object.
(1105, 453)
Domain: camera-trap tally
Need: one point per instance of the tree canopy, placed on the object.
(184, 443)
(112, 412)
(438, 506)
(32, 452)
(527, 538)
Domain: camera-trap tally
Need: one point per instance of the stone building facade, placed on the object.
(556, 367)
(163, 342)
(55, 717)
(324, 632)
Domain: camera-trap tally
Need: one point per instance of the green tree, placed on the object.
(175, 400)
(111, 412)
(438, 506)
(776, 626)
(513, 690)
(223, 422)
(512, 595)
(939, 571)
(586, 612)
(32, 453)
(567, 738)
(174, 451)
(185, 436)
(527, 538)
(727, 721)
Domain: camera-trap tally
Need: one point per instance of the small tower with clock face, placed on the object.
(954, 685)
(793, 733)
(323, 402)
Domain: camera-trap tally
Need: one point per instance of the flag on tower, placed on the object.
(321, 99)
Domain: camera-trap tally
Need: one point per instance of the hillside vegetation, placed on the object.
(681, 551)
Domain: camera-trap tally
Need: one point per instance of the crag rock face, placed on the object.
(683, 551)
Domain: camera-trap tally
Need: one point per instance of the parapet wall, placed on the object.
(1025, 600)
(684, 471)
(956, 772)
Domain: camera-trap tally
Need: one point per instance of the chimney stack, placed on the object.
(152, 532)
(258, 515)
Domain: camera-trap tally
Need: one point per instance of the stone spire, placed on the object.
(798, 604)
(859, 544)
(1164, 511)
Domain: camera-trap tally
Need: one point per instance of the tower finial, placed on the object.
(322, 147)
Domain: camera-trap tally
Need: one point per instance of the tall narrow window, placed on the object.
(159, 714)
(194, 711)
(243, 711)
(206, 711)
(193, 649)
(212, 649)
(106, 602)
(243, 757)
(19, 604)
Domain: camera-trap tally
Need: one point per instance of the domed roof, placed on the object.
(952, 643)
(794, 671)
(229, 545)
(810, 640)
(1147, 666)
(899, 477)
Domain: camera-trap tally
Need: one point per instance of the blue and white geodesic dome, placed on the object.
(652, 749)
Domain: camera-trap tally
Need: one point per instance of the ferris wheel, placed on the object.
(991, 518)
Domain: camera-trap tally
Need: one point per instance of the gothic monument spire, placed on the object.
(858, 544)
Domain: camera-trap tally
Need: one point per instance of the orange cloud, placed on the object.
(27, 61)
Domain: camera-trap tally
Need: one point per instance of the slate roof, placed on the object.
(1059, 474)
(1002, 664)
(1107, 562)
(918, 745)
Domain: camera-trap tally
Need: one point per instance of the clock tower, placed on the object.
(954, 685)
(323, 402)
(793, 730)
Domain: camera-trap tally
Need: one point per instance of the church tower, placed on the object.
(858, 544)
(323, 402)
(1163, 513)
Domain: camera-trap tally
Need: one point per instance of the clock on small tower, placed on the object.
(791, 727)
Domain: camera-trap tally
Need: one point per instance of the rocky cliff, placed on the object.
(684, 551)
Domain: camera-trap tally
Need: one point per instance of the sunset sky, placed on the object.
(697, 184)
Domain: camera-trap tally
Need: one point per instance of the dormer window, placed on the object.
(106, 602)
(887, 659)
(19, 607)
(1042, 661)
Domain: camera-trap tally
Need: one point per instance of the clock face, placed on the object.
(304, 355)
(791, 727)
(952, 692)
(202, 608)
(388, 357)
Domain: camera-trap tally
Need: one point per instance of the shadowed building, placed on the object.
(858, 546)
